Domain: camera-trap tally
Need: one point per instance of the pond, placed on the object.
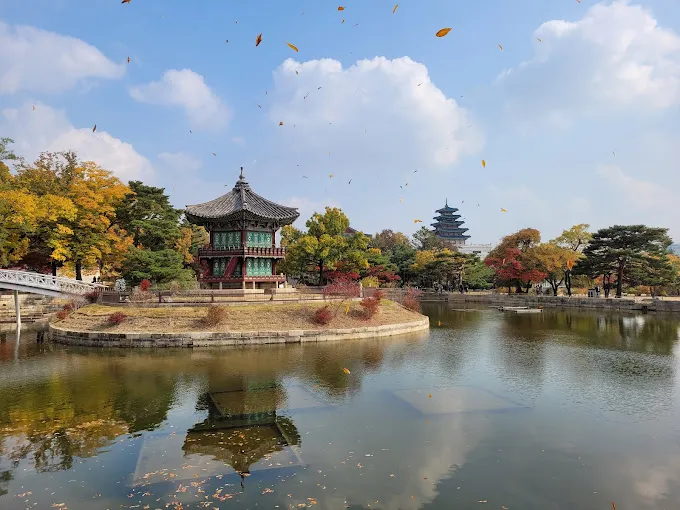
(564, 409)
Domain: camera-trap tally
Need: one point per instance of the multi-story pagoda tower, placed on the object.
(242, 252)
(447, 226)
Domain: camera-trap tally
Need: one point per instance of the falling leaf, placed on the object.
(429, 395)
(417, 221)
(341, 8)
(539, 39)
(258, 40)
(259, 106)
(401, 200)
(484, 163)
(281, 123)
(292, 46)
(395, 8)
(296, 72)
(503, 210)
(214, 154)
(128, 60)
(579, 1)
(33, 107)
(125, 2)
(342, 21)
(501, 47)
(346, 370)
(350, 181)
(227, 41)
(439, 323)
(330, 176)
(443, 32)
(94, 128)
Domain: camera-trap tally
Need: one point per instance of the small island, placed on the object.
(219, 325)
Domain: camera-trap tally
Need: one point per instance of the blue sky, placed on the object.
(581, 126)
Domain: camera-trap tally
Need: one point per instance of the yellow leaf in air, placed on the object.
(430, 395)
(395, 8)
(292, 46)
(503, 210)
(443, 32)
(417, 221)
(484, 163)
(280, 123)
(346, 370)
(330, 176)
(258, 40)
(439, 323)
(341, 8)
(401, 200)
(125, 2)
(501, 47)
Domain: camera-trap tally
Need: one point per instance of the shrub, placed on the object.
(370, 306)
(92, 296)
(116, 318)
(62, 314)
(379, 295)
(216, 316)
(410, 301)
(344, 289)
(323, 315)
(370, 282)
(145, 285)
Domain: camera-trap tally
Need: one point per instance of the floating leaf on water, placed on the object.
(483, 163)
(346, 370)
(395, 8)
(443, 32)
(258, 40)
(292, 47)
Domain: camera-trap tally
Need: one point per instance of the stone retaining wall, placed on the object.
(650, 305)
(205, 339)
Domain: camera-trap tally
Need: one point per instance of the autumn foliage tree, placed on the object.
(515, 260)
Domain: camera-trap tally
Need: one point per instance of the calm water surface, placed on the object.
(562, 410)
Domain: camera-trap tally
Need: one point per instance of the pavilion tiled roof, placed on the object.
(241, 202)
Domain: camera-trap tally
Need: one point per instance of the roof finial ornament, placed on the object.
(241, 176)
(446, 201)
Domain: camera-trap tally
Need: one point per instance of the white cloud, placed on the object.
(238, 140)
(181, 161)
(187, 90)
(376, 114)
(616, 57)
(41, 61)
(48, 129)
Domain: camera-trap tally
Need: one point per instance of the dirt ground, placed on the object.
(260, 317)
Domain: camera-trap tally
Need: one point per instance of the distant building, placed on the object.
(675, 248)
(449, 228)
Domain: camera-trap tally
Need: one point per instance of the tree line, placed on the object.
(61, 212)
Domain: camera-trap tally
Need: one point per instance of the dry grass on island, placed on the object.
(255, 317)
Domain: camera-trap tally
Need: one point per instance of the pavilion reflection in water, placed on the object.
(244, 432)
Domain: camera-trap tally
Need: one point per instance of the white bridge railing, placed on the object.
(47, 282)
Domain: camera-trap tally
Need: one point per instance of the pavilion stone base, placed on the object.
(259, 287)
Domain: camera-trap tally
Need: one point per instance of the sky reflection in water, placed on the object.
(557, 410)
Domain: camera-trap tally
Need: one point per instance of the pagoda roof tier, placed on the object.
(446, 219)
(241, 203)
(453, 236)
(445, 226)
(446, 209)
